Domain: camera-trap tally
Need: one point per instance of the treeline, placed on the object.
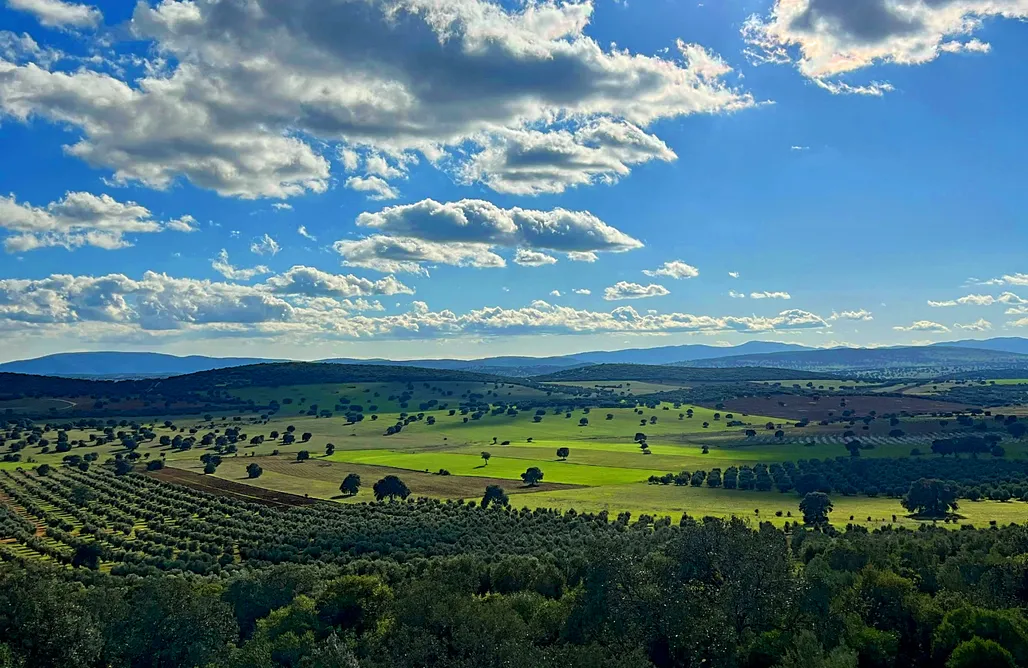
(985, 478)
(675, 373)
(702, 593)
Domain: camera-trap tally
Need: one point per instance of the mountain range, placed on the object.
(1004, 353)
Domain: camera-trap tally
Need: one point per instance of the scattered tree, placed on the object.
(495, 495)
(351, 484)
(815, 507)
(390, 487)
(532, 476)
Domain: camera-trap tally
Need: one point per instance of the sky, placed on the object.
(460, 178)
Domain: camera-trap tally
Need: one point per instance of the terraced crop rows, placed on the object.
(137, 525)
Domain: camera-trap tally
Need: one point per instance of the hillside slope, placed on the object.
(673, 374)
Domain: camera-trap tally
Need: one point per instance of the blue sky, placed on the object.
(476, 179)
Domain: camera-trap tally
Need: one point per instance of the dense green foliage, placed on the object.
(972, 478)
(420, 583)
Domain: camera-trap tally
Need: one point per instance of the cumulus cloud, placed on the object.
(923, 326)
(582, 291)
(736, 295)
(625, 290)
(770, 295)
(282, 206)
(302, 231)
(555, 293)
(478, 221)
(980, 325)
(829, 38)
(313, 282)
(265, 245)
(121, 306)
(408, 254)
(862, 314)
(465, 233)
(242, 98)
(980, 300)
(376, 188)
(533, 162)
(79, 219)
(59, 14)
(222, 265)
(674, 269)
(529, 258)
(733, 274)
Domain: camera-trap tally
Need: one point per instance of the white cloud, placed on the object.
(733, 274)
(799, 148)
(376, 188)
(1016, 279)
(406, 254)
(770, 295)
(674, 269)
(465, 233)
(243, 98)
(582, 256)
(923, 326)
(980, 300)
(265, 245)
(478, 221)
(313, 282)
(830, 38)
(625, 290)
(555, 293)
(59, 14)
(973, 46)
(736, 295)
(282, 206)
(221, 265)
(532, 162)
(980, 325)
(115, 306)
(582, 291)
(79, 219)
(529, 258)
(862, 314)
(184, 224)
(302, 231)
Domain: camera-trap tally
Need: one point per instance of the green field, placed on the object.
(606, 468)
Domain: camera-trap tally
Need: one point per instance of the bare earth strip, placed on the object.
(224, 487)
(302, 474)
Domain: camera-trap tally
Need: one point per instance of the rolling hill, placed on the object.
(123, 364)
(921, 360)
(674, 374)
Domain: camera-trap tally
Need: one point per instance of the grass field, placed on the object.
(606, 468)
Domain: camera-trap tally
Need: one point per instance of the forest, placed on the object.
(421, 583)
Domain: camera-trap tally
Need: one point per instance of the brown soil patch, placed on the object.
(235, 490)
(419, 482)
(798, 407)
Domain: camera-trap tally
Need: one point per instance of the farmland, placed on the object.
(432, 433)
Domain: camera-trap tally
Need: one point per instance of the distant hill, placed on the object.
(673, 374)
(313, 373)
(122, 364)
(683, 353)
(535, 366)
(930, 360)
(1006, 344)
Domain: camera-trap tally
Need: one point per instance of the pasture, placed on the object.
(606, 469)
